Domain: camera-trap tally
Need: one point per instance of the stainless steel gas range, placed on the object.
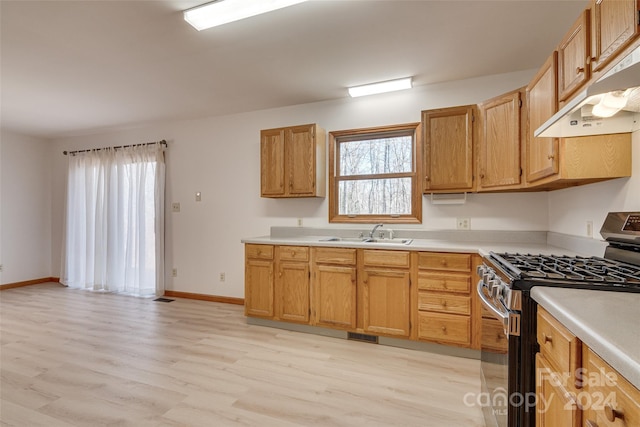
(508, 377)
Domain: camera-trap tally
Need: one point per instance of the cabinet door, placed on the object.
(448, 148)
(292, 291)
(272, 162)
(499, 144)
(386, 302)
(258, 297)
(542, 99)
(555, 405)
(335, 296)
(614, 23)
(573, 55)
(300, 149)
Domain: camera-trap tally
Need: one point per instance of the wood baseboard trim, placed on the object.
(29, 283)
(203, 297)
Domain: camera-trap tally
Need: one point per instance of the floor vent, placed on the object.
(362, 337)
(163, 299)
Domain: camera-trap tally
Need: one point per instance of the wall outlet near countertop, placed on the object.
(589, 228)
(299, 222)
(174, 272)
(463, 223)
(223, 276)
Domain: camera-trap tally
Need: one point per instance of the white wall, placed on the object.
(220, 157)
(570, 209)
(25, 218)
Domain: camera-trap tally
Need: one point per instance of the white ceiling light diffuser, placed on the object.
(381, 87)
(224, 11)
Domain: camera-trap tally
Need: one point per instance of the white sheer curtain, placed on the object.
(114, 228)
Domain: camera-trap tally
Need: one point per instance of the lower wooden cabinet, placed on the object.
(292, 284)
(444, 328)
(556, 405)
(609, 399)
(444, 298)
(386, 302)
(413, 295)
(334, 288)
(575, 387)
(259, 281)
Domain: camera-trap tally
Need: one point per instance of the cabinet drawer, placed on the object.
(613, 397)
(493, 336)
(294, 253)
(259, 251)
(459, 283)
(441, 261)
(379, 258)
(454, 304)
(335, 256)
(559, 346)
(446, 328)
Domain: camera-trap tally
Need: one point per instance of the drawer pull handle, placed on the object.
(547, 338)
(611, 413)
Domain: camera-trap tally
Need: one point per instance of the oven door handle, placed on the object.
(497, 313)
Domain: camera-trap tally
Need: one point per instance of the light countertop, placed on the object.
(433, 245)
(608, 322)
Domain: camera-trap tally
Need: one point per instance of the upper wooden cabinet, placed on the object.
(448, 149)
(499, 154)
(541, 154)
(574, 56)
(614, 23)
(293, 162)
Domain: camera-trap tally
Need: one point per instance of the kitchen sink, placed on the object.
(396, 241)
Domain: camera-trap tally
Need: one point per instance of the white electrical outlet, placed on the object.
(175, 207)
(1, 267)
(222, 277)
(463, 224)
(589, 228)
(198, 196)
(299, 222)
(174, 272)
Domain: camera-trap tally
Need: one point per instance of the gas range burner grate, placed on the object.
(578, 269)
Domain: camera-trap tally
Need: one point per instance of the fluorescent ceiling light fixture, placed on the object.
(224, 11)
(381, 87)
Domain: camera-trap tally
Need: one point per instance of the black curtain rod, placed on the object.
(163, 142)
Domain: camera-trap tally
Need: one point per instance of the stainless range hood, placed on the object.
(621, 86)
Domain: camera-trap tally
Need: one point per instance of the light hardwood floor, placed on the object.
(71, 357)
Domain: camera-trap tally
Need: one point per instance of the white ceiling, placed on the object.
(73, 67)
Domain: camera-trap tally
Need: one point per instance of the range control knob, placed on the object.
(482, 269)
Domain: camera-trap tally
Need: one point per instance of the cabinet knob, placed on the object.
(482, 176)
(444, 329)
(610, 413)
(550, 156)
(579, 70)
(444, 304)
(546, 338)
(426, 178)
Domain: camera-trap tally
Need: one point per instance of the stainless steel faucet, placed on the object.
(375, 227)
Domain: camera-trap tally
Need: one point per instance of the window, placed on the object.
(374, 175)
